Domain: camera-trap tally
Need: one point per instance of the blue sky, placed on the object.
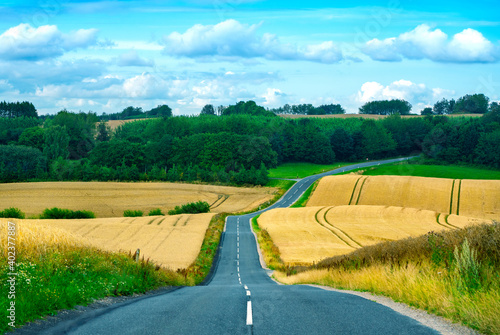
(103, 56)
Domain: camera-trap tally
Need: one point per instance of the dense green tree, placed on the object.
(33, 137)
(342, 144)
(249, 108)
(376, 141)
(472, 104)
(487, 151)
(80, 128)
(19, 163)
(207, 110)
(329, 110)
(443, 107)
(56, 143)
(116, 153)
(427, 111)
(103, 132)
(17, 109)
(386, 107)
(160, 111)
(131, 112)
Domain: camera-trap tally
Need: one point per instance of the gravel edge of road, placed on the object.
(438, 323)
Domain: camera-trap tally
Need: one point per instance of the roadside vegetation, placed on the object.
(130, 213)
(58, 213)
(454, 274)
(304, 198)
(270, 252)
(191, 208)
(58, 270)
(12, 212)
(302, 170)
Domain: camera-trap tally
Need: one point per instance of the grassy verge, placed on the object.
(455, 274)
(200, 268)
(302, 170)
(436, 171)
(304, 198)
(57, 270)
(269, 250)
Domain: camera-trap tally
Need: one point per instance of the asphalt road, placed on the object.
(242, 299)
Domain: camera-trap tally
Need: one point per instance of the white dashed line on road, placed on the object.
(249, 313)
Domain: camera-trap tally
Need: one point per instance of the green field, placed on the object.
(302, 170)
(436, 171)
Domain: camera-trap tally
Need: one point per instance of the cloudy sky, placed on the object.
(103, 56)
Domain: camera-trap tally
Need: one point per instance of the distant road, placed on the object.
(242, 299)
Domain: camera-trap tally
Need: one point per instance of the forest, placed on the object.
(236, 147)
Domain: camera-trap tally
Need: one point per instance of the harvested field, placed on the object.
(474, 198)
(169, 241)
(113, 124)
(307, 235)
(112, 199)
(299, 237)
(480, 198)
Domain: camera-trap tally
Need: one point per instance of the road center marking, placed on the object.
(249, 313)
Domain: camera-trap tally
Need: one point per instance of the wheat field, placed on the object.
(170, 241)
(33, 239)
(310, 234)
(110, 199)
(474, 198)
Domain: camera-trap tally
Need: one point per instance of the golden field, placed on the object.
(113, 124)
(310, 234)
(33, 239)
(170, 241)
(474, 198)
(111, 199)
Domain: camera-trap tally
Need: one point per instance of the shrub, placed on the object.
(191, 208)
(155, 211)
(132, 214)
(59, 213)
(12, 213)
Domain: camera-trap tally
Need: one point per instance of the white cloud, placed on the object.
(419, 95)
(273, 97)
(25, 42)
(468, 46)
(231, 39)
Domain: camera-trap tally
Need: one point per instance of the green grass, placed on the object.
(302, 170)
(304, 198)
(437, 171)
(279, 183)
(63, 279)
(269, 250)
(200, 268)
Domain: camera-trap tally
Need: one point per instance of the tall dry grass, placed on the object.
(58, 270)
(455, 274)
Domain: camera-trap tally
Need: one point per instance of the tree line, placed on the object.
(234, 148)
